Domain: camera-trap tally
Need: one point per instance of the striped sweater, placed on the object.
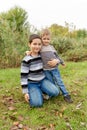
(31, 70)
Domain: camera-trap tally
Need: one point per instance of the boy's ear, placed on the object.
(28, 44)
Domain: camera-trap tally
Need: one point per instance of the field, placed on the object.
(56, 114)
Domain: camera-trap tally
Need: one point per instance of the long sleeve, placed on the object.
(57, 56)
(61, 61)
(24, 76)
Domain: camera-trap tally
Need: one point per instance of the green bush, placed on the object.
(63, 44)
(71, 49)
(12, 45)
(78, 54)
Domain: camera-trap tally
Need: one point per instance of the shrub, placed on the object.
(63, 44)
(12, 45)
(71, 49)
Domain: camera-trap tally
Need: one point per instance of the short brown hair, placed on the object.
(45, 32)
(34, 36)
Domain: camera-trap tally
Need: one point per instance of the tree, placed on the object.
(14, 32)
(17, 18)
(58, 30)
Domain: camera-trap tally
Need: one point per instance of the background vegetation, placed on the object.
(15, 29)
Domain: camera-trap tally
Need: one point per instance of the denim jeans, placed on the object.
(37, 88)
(55, 77)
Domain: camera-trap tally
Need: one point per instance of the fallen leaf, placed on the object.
(52, 126)
(78, 106)
(11, 108)
(4, 117)
(14, 113)
(42, 128)
(26, 128)
(16, 123)
(60, 114)
(20, 126)
(83, 123)
(12, 118)
(75, 93)
(69, 126)
(56, 113)
(14, 128)
(63, 109)
(20, 118)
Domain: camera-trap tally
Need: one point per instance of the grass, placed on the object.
(55, 114)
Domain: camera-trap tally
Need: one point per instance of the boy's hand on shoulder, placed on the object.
(28, 53)
(53, 62)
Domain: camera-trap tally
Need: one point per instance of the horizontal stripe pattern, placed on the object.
(31, 70)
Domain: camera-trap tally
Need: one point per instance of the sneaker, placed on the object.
(68, 99)
(46, 97)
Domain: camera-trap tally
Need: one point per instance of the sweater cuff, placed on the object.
(25, 89)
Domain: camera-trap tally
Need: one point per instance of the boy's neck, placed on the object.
(34, 54)
(46, 45)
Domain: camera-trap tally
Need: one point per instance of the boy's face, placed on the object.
(46, 40)
(35, 46)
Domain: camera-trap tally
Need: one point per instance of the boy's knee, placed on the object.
(36, 104)
(56, 92)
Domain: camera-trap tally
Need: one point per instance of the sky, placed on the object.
(44, 13)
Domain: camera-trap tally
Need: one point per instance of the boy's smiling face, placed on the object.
(35, 46)
(46, 40)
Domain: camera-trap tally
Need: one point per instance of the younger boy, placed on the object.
(50, 62)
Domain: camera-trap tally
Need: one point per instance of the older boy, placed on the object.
(33, 80)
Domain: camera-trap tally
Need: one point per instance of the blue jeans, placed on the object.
(37, 88)
(55, 77)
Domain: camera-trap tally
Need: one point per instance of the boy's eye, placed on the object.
(39, 44)
(35, 43)
(46, 39)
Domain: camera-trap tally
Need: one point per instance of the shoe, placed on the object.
(46, 97)
(68, 99)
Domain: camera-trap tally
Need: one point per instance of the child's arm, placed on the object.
(24, 78)
(61, 61)
(53, 62)
(57, 60)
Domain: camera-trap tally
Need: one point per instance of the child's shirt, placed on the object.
(31, 70)
(48, 53)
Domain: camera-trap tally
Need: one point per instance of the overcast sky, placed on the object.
(42, 13)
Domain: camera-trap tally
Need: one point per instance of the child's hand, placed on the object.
(26, 96)
(28, 53)
(53, 62)
(64, 65)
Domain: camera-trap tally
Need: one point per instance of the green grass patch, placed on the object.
(55, 114)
